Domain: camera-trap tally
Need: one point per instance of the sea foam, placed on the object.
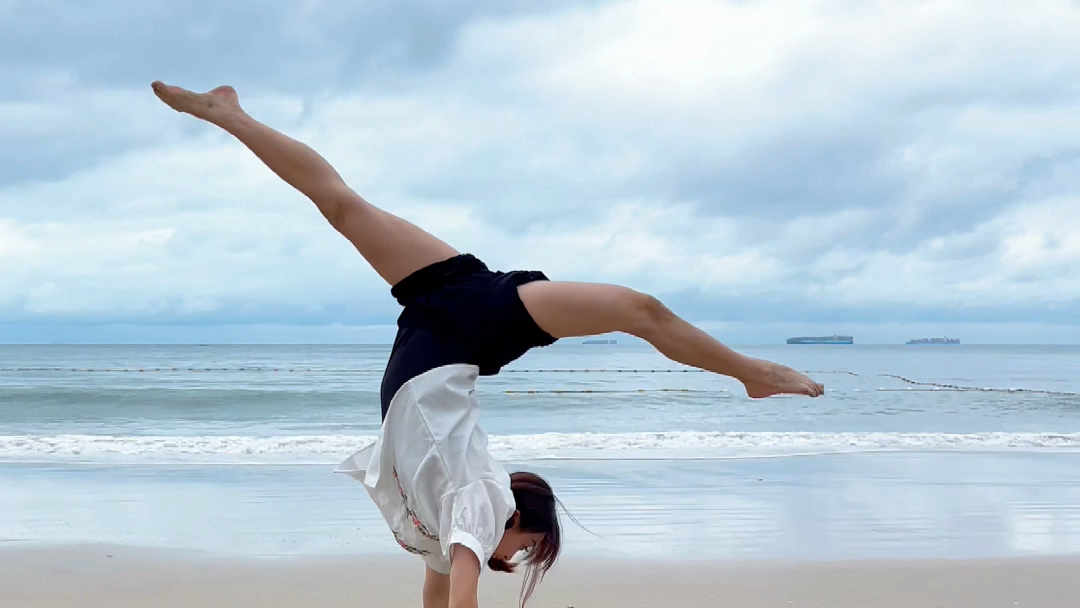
(316, 449)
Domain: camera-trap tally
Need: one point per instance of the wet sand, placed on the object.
(124, 577)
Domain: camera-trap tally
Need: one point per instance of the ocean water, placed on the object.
(915, 451)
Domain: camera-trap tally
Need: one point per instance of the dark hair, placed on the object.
(536, 504)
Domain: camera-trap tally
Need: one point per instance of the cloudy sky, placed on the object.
(766, 167)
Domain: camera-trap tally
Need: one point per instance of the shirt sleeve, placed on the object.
(475, 517)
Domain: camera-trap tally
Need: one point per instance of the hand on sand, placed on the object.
(211, 107)
(774, 379)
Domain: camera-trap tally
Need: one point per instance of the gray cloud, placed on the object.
(835, 184)
(53, 54)
(731, 308)
(818, 171)
(277, 44)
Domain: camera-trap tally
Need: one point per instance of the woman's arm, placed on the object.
(464, 577)
(436, 589)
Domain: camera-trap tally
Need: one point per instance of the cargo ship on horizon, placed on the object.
(821, 340)
(934, 341)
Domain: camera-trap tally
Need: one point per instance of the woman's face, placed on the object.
(515, 541)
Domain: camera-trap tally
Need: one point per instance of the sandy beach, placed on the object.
(123, 577)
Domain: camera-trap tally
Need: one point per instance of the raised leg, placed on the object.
(567, 310)
(394, 247)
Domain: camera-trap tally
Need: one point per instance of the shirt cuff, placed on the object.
(460, 537)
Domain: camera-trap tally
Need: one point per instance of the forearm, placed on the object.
(464, 596)
(436, 598)
(436, 590)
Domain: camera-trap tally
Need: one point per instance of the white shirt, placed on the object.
(430, 473)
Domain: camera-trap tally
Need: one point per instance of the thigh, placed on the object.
(393, 246)
(566, 309)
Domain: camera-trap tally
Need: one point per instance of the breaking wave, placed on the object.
(317, 449)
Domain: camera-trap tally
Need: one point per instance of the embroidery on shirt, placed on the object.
(410, 548)
(412, 515)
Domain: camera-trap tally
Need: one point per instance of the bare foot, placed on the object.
(211, 107)
(774, 379)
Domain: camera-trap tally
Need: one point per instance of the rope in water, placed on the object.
(565, 391)
(120, 370)
(937, 386)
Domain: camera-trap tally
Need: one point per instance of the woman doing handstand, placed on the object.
(429, 472)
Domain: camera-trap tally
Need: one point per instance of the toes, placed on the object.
(163, 91)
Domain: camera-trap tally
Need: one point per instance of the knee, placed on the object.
(649, 315)
(342, 207)
(331, 204)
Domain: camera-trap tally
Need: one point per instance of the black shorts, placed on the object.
(458, 311)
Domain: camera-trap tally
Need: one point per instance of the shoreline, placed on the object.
(873, 506)
(129, 577)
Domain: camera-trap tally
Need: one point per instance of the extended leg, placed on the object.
(566, 310)
(394, 247)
